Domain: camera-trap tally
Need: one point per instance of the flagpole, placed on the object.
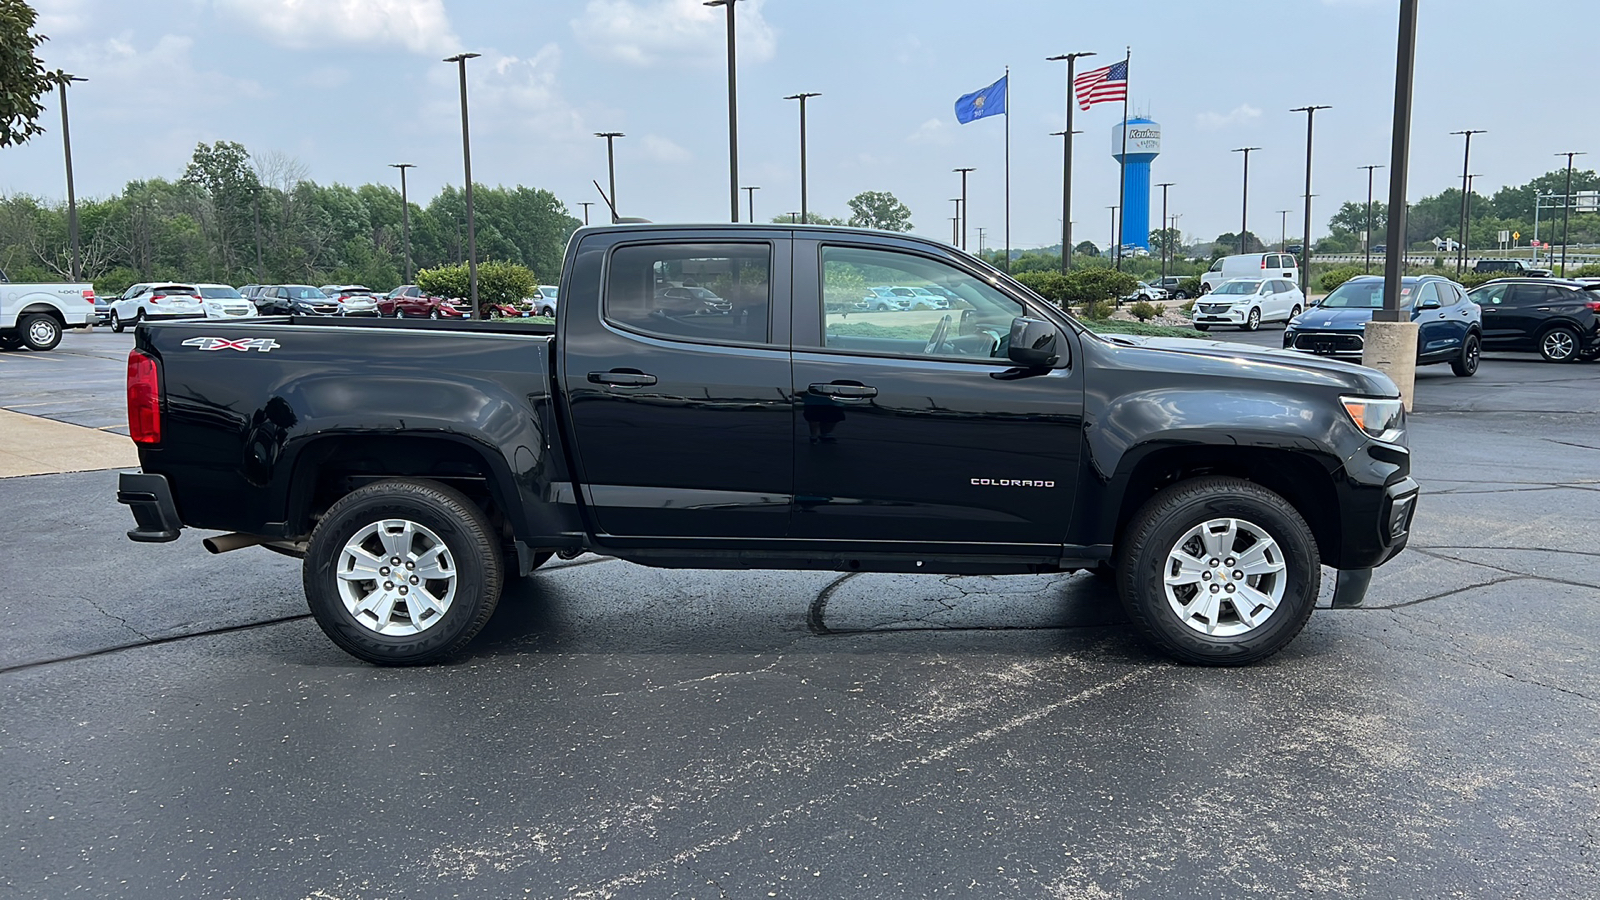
(1008, 170)
(1122, 178)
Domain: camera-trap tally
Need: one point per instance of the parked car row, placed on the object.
(892, 298)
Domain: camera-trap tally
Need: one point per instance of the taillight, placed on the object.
(144, 399)
(89, 296)
(1592, 304)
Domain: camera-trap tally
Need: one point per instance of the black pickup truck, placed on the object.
(714, 397)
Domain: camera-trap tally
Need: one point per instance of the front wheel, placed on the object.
(1292, 313)
(433, 314)
(116, 322)
(403, 572)
(1219, 571)
(1559, 345)
(10, 342)
(1180, 296)
(39, 332)
(1466, 364)
(1252, 322)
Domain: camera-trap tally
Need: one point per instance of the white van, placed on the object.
(1250, 265)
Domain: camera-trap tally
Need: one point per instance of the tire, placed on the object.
(1466, 364)
(39, 332)
(1292, 313)
(10, 342)
(1173, 521)
(1202, 328)
(399, 313)
(470, 568)
(1180, 296)
(1559, 345)
(433, 314)
(116, 322)
(1252, 320)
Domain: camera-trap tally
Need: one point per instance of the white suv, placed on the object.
(1250, 265)
(1247, 302)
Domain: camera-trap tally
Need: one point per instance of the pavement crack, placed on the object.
(151, 642)
(1465, 657)
(113, 616)
(1529, 575)
(1449, 593)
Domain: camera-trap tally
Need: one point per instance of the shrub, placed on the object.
(1098, 309)
(1473, 279)
(1091, 285)
(498, 282)
(1187, 307)
(1332, 278)
(1589, 271)
(1143, 311)
(1049, 285)
(1190, 287)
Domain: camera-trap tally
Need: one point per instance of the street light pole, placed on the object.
(1166, 236)
(1368, 240)
(72, 196)
(1071, 60)
(1461, 232)
(585, 204)
(1113, 208)
(793, 217)
(955, 227)
(460, 60)
(1305, 240)
(1244, 218)
(405, 214)
(802, 97)
(1566, 208)
(750, 192)
(1390, 344)
(611, 165)
(965, 210)
(1283, 228)
(1468, 240)
(733, 112)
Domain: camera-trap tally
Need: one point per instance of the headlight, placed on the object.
(1381, 419)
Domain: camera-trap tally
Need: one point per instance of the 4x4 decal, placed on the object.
(243, 345)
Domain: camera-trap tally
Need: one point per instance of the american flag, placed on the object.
(1102, 85)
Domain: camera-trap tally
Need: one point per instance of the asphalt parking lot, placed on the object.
(176, 726)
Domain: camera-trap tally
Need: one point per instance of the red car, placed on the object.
(411, 302)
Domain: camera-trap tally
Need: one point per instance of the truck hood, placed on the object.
(1321, 319)
(1259, 363)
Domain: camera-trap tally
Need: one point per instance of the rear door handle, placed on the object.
(846, 391)
(621, 379)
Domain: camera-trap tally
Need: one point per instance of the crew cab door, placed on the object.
(900, 438)
(680, 412)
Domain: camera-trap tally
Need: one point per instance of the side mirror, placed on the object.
(1032, 342)
(1430, 303)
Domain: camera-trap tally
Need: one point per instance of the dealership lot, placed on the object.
(176, 725)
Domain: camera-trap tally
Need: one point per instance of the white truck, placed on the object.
(36, 315)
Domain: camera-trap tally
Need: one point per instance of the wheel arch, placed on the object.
(50, 309)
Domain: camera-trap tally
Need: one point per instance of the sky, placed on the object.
(348, 86)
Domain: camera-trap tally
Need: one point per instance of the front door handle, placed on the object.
(844, 391)
(621, 379)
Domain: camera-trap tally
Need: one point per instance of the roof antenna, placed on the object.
(616, 219)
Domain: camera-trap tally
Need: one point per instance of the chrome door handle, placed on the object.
(844, 391)
(621, 379)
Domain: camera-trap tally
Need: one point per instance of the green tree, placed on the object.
(881, 210)
(1086, 248)
(223, 173)
(1167, 239)
(811, 219)
(23, 77)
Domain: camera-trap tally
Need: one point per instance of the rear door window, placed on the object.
(720, 293)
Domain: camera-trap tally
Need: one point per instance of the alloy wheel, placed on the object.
(396, 577)
(1558, 346)
(1225, 577)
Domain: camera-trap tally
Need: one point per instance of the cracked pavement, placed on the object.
(175, 726)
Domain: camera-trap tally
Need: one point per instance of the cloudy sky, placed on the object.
(347, 86)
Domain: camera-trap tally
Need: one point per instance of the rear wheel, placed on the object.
(1219, 571)
(10, 342)
(403, 572)
(1466, 364)
(39, 332)
(1559, 345)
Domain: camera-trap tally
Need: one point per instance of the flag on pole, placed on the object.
(991, 101)
(1103, 85)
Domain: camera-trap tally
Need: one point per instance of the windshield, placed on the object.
(305, 292)
(1363, 295)
(1238, 287)
(1216, 266)
(220, 293)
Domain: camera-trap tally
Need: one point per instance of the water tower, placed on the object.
(1144, 145)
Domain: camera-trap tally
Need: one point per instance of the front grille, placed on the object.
(1213, 309)
(1329, 343)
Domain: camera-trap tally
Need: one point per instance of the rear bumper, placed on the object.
(154, 513)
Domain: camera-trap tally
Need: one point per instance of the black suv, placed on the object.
(293, 300)
(1511, 267)
(1558, 318)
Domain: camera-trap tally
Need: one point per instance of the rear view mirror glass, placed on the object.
(1032, 342)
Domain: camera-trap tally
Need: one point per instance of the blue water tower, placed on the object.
(1144, 145)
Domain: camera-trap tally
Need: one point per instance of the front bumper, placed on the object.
(1345, 344)
(150, 499)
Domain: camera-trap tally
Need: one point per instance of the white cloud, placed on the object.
(933, 131)
(674, 32)
(1240, 115)
(513, 95)
(420, 26)
(662, 150)
(58, 18)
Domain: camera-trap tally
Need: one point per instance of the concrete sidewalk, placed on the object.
(30, 445)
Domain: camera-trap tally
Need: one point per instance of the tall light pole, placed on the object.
(1391, 336)
(1467, 241)
(1305, 241)
(1113, 208)
(955, 224)
(405, 214)
(750, 193)
(1368, 240)
(803, 97)
(733, 112)
(1283, 228)
(1466, 157)
(585, 204)
(1567, 204)
(1166, 236)
(1071, 59)
(460, 60)
(72, 196)
(965, 209)
(794, 217)
(1244, 219)
(611, 164)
